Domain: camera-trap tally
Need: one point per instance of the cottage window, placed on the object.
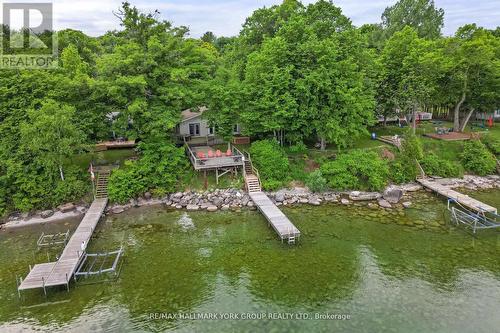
(194, 129)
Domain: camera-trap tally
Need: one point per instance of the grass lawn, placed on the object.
(106, 157)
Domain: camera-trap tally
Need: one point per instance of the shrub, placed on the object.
(126, 183)
(316, 182)
(399, 173)
(405, 168)
(436, 166)
(272, 163)
(477, 158)
(158, 169)
(493, 145)
(298, 148)
(356, 170)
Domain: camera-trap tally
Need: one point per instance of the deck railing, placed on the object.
(199, 163)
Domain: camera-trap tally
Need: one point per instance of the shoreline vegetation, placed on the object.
(304, 83)
(393, 197)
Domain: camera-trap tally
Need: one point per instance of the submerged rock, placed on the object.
(384, 203)
(212, 208)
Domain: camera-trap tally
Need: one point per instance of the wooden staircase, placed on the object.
(101, 191)
(252, 179)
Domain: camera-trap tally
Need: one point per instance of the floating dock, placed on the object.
(460, 198)
(59, 273)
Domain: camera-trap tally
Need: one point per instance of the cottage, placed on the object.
(194, 126)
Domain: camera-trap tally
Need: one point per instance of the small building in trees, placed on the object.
(194, 127)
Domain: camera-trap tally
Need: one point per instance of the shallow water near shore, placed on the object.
(393, 271)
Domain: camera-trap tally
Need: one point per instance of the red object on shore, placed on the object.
(210, 153)
(229, 152)
(490, 122)
(218, 153)
(200, 154)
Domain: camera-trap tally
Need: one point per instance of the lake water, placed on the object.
(400, 271)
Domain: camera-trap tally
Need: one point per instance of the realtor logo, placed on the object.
(28, 40)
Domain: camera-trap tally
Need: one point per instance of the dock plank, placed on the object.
(280, 223)
(461, 198)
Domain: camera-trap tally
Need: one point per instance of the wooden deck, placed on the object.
(115, 145)
(462, 199)
(213, 163)
(280, 223)
(60, 272)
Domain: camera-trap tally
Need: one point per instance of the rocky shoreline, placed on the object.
(236, 200)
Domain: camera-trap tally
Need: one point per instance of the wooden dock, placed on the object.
(280, 223)
(60, 272)
(462, 199)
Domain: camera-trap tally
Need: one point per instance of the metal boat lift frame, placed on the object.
(474, 221)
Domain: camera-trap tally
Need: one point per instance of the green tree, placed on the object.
(51, 135)
(421, 15)
(470, 73)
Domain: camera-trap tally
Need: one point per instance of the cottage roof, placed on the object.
(192, 113)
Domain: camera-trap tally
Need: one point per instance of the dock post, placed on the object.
(43, 285)
(67, 282)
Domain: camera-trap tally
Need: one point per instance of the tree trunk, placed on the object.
(61, 173)
(385, 121)
(414, 120)
(466, 120)
(323, 144)
(456, 114)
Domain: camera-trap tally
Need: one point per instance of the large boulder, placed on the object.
(192, 207)
(393, 194)
(280, 196)
(217, 201)
(66, 208)
(212, 208)
(46, 213)
(364, 196)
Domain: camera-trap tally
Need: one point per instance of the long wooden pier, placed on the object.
(285, 229)
(280, 223)
(59, 273)
(462, 199)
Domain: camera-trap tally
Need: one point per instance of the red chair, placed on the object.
(229, 153)
(218, 153)
(210, 154)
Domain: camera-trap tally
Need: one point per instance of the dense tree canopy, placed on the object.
(295, 72)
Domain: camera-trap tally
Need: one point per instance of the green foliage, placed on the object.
(435, 166)
(272, 163)
(160, 167)
(298, 148)
(493, 144)
(316, 182)
(126, 183)
(357, 169)
(421, 15)
(477, 159)
(405, 168)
